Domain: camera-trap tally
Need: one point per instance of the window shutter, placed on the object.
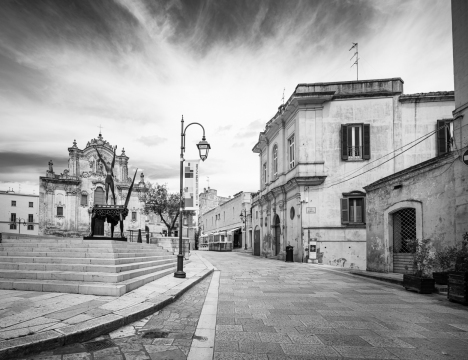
(344, 211)
(441, 138)
(344, 142)
(366, 142)
(363, 210)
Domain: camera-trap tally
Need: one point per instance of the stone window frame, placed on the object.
(31, 204)
(345, 203)
(13, 203)
(388, 226)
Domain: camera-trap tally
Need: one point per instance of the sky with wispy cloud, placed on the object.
(136, 66)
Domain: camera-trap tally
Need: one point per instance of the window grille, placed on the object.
(404, 229)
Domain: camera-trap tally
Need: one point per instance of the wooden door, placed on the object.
(277, 235)
(99, 226)
(257, 243)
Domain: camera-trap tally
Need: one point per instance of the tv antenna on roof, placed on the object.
(355, 45)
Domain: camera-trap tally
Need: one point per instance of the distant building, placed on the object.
(209, 199)
(226, 218)
(428, 200)
(66, 199)
(322, 147)
(19, 213)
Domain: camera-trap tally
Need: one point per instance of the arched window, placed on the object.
(275, 161)
(99, 197)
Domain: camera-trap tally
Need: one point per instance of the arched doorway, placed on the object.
(404, 230)
(257, 241)
(277, 234)
(99, 199)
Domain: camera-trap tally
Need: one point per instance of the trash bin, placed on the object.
(289, 253)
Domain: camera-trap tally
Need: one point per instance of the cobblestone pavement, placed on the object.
(269, 309)
(166, 334)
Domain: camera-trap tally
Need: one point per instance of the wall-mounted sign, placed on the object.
(465, 157)
(310, 210)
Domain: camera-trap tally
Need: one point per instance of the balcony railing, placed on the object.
(355, 152)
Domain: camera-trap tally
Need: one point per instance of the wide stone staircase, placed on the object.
(92, 267)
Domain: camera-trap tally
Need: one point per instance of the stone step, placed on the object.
(80, 254)
(82, 267)
(83, 276)
(75, 241)
(80, 287)
(88, 250)
(113, 245)
(70, 260)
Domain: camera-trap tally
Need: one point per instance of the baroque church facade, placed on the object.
(66, 199)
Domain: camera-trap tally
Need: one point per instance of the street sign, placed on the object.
(465, 157)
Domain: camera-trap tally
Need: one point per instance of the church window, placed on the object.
(13, 203)
(31, 204)
(59, 211)
(134, 216)
(84, 199)
(99, 197)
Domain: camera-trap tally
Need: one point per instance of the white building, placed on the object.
(321, 148)
(19, 213)
(225, 218)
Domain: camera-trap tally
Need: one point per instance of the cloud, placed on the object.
(151, 140)
(135, 66)
(20, 166)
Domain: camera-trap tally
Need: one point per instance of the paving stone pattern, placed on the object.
(176, 323)
(269, 309)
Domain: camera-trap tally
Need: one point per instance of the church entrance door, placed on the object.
(99, 227)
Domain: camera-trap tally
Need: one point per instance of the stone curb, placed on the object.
(88, 330)
(389, 280)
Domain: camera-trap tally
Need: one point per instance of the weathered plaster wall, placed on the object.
(434, 188)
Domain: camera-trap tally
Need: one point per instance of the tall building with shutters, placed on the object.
(66, 199)
(429, 199)
(322, 147)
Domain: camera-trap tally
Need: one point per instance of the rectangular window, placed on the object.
(30, 227)
(292, 152)
(355, 142)
(264, 173)
(13, 203)
(12, 226)
(13, 217)
(444, 136)
(134, 216)
(84, 199)
(256, 214)
(31, 204)
(30, 218)
(59, 211)
(353, 210)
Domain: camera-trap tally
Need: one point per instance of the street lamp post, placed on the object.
(203, 148)
(243, 216)
(18, 220)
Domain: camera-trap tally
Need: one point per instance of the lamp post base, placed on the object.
(180, 267)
